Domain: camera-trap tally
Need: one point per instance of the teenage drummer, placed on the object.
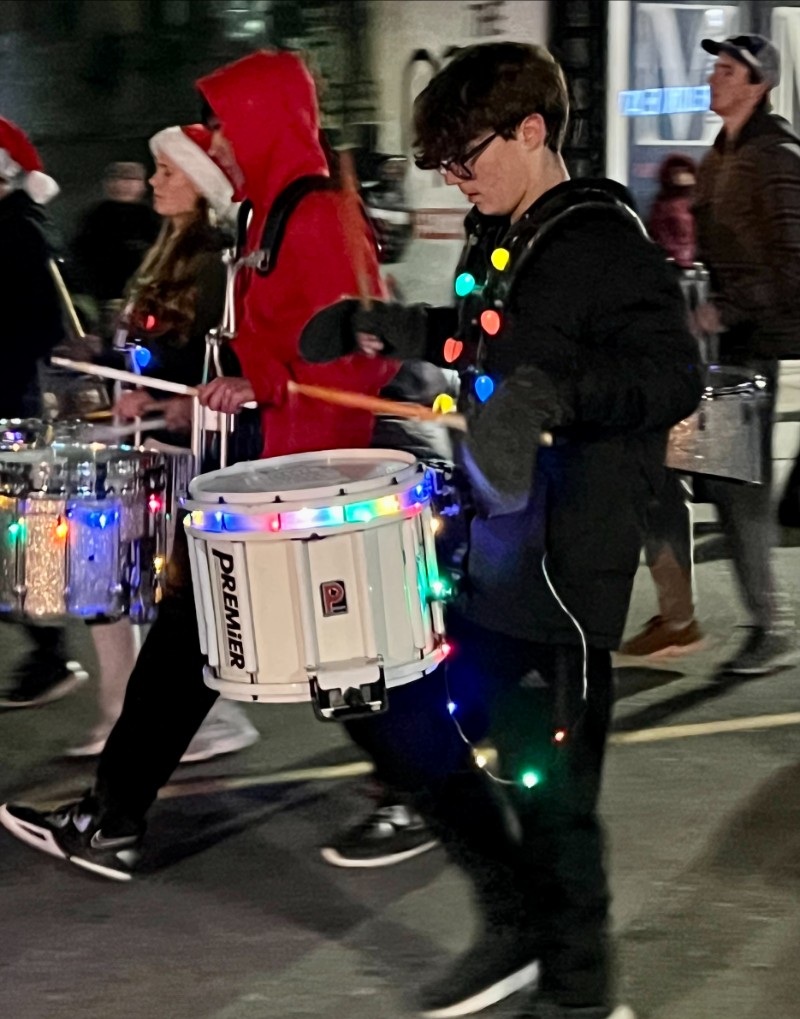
(581, 336)
(173, 300)
(263, 110)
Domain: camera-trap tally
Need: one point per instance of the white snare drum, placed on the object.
(315, 578)
(723, 438)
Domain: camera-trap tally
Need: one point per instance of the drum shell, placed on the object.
(724, 437)
(338, 605)
(80, 532)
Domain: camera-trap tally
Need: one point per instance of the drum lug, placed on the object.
(335, 705)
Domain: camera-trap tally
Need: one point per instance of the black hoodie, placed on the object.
(32, 321)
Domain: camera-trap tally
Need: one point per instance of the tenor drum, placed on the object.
(315, 578)
(724, 436)
(80, 527)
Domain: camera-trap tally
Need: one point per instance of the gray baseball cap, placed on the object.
(754, 51)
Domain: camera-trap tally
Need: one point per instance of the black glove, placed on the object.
(500, 449)
(402, 327)
(330, 334)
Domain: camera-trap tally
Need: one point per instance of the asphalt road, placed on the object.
(235, 915)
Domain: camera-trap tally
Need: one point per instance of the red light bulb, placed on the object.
(491, 321)
(452, 350)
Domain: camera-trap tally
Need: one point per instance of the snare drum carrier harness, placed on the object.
(261, 261)
(489, 269)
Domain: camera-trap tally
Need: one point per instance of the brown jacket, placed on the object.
(748, 233)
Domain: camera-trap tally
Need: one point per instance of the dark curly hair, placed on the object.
(489, 87)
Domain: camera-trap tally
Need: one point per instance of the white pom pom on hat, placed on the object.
(19, 158)
(188, 147)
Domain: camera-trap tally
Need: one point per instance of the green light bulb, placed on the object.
(530, 779)
(465, 284)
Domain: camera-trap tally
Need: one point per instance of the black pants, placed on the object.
(165, 703)
(534, 855)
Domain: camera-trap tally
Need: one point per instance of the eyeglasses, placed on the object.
(459, 167)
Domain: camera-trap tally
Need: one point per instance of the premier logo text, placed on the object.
(230, 601)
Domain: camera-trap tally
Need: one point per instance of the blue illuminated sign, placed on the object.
(651, 102)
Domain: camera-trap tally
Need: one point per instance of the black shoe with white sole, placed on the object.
(40, 682)
(763, 652)
(391, 834)
(499, 966)
(73, 833)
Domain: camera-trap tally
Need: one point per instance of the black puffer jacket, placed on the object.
(31, 313)
(594, 347)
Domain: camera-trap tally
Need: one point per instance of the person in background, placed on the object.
(32, 326)
(177, 295)
(668, 545)
(747, 209)
(671, 223)
(112, 239)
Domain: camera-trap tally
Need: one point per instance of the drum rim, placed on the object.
(406, 476)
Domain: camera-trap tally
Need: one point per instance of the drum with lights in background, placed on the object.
(316, 578)
(81, 531)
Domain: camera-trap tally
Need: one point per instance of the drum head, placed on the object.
(308, 476)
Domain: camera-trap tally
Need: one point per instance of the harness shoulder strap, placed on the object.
(282, 208)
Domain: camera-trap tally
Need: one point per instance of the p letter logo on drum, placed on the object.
(230, 607)
(334, 598)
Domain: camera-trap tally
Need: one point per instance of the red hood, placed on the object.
(267, 106)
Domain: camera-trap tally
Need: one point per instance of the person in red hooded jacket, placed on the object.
(264, 113)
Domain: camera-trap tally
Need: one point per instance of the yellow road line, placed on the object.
(214, 785)
(706, 728)
(54, 794)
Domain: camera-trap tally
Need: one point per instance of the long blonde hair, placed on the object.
(165, 288)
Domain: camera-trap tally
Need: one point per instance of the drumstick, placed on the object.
(148, 381)
(390, 408)
(352, 220)
(377, 405)
(66, 299)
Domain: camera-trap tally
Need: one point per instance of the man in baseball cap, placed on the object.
(754, 51)
(747, 210)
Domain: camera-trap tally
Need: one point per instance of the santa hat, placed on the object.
(18, 158)
(188, 147)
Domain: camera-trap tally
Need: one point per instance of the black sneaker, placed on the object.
(391, 834)
(494, 969)
(764, 652)
(73, 833)
(36, 683)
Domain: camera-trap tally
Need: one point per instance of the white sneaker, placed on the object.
(93, 747)
(225, 730)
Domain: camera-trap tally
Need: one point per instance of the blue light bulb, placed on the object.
(484, 387)
(142, 356)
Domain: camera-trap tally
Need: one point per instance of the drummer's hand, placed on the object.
(707, 318)
(133, 404)
(369, 344)
(177, 413)
(226, 395)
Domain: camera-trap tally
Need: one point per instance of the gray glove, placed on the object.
(500, 449)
